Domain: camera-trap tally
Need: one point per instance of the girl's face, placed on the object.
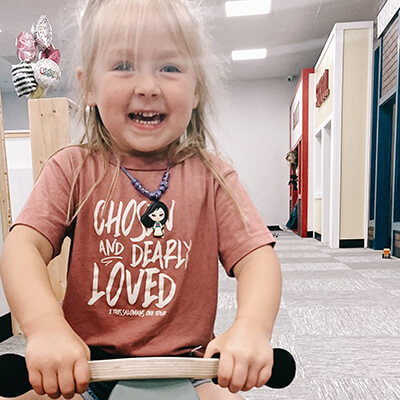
(157, 215)
(145, 89)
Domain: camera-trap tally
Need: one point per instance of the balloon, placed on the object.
(23, 78)
(26, 47)
(52, 54)
(47, 73)
(34, 79)
(42, 32)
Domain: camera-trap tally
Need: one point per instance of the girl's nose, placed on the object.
(147, 86)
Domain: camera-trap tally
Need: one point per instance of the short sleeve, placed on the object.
(47, 205)
(239, 233)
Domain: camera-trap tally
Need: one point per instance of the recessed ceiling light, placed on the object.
(247, 7)
(249, 54)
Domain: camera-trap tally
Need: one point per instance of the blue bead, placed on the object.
(156, 194)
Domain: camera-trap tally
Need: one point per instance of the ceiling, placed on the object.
(294, 32)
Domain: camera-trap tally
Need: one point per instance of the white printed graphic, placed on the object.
(138, 274)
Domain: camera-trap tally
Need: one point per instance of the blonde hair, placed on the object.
(102, 21)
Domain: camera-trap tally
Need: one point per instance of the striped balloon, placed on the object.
(23, 78)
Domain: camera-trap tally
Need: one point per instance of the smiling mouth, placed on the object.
(147, 118)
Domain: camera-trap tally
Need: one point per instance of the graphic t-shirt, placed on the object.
(131, 291)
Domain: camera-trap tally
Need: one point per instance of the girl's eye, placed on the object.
(124, 66)
(170, 68)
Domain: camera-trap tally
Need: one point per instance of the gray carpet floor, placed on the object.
(339, 317)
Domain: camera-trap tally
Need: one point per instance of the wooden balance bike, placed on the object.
(145, 378)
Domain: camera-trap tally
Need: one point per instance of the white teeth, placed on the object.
(140, 121)
(140, 117)
(147, 114)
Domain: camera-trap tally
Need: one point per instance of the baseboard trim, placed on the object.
(5, 327)
(274, 228)
(317, 236)
(349, 243)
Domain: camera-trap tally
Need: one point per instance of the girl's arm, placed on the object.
(56, 357)
(246, 356)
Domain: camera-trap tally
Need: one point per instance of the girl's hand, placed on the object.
(57, 359)
(246, 356)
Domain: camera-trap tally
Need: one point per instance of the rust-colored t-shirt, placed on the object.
(130, 291)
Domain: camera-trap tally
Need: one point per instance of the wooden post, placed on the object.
(49, 126)
(4, 183)
(49, 122)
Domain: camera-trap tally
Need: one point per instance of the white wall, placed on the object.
(3, 302)
(253, 131)
(15, 111)
(19, 162)
(4, 309)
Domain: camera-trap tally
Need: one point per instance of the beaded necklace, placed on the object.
(156, 214)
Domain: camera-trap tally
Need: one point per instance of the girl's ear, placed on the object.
(87, 94)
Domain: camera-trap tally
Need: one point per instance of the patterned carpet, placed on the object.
(339, 317)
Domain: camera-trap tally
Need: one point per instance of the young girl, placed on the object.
(131, 292)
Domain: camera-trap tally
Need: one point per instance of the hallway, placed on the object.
(339, 317)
